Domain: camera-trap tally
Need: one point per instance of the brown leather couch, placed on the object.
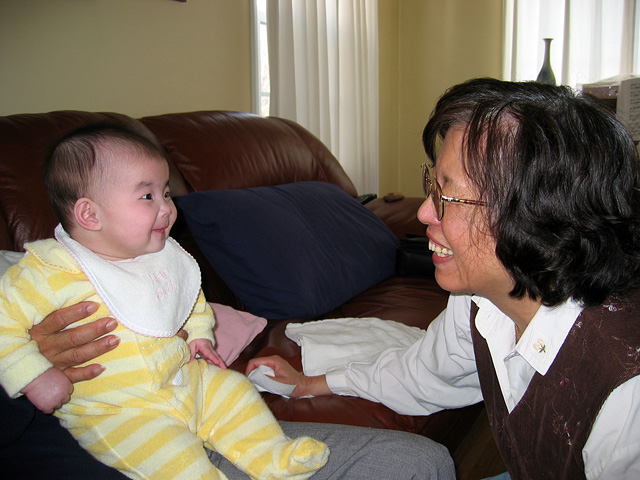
(215, 150)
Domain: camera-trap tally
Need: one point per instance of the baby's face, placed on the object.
(135, 207)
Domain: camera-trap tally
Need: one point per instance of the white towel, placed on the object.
(336, 342)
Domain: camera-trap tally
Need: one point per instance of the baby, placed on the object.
(159, 399)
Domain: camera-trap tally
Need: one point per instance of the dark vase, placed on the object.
(546, 72)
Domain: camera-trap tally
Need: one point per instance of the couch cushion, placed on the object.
(290, 251)
(217, 150)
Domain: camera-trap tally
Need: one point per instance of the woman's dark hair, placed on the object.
(79, 157)
(560, 175)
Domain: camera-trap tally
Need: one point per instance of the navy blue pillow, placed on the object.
(296, 250)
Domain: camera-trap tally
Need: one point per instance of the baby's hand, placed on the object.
(50, 390)
(204, 348)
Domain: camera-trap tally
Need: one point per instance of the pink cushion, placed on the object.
(234, 330)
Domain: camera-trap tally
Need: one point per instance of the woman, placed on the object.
(532, 213)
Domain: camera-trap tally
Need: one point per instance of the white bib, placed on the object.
(152, 294)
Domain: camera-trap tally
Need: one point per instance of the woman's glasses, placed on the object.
(431, 187)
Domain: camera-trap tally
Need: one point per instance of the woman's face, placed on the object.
(464, 253)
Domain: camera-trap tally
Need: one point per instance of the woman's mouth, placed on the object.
(439, 250)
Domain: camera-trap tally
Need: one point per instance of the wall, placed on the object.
(145, 57)
(427, 46)
(389, 106)
(139, 57)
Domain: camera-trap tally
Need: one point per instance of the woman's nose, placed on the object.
(427, 212)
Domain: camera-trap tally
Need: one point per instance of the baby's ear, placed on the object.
(85, 214)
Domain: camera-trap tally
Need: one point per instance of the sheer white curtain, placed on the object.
(593, 39)
(323, 66)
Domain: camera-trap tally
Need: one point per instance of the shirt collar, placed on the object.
(540, 342)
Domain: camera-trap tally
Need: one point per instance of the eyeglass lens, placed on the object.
(431, 187)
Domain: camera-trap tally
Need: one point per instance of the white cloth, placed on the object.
(439, 371)
(326, 344)
(152, 294)
(262, 379)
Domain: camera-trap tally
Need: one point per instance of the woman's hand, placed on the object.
(67, 349)
(285, 373)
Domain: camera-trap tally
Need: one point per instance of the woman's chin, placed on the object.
(448, 281)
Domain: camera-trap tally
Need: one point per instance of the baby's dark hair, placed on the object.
(78, 159)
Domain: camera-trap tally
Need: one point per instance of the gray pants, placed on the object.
(366, 453)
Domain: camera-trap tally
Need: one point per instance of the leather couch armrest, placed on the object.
(400, 216)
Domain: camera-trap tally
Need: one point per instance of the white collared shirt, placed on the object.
(439, 372)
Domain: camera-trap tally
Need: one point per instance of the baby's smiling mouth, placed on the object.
(439, 250)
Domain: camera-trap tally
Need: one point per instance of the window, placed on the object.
(260, 58)
(322, 74)
(592, 39)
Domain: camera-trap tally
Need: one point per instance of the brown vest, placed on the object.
(543, 437)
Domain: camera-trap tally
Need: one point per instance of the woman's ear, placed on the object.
(86, 215)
